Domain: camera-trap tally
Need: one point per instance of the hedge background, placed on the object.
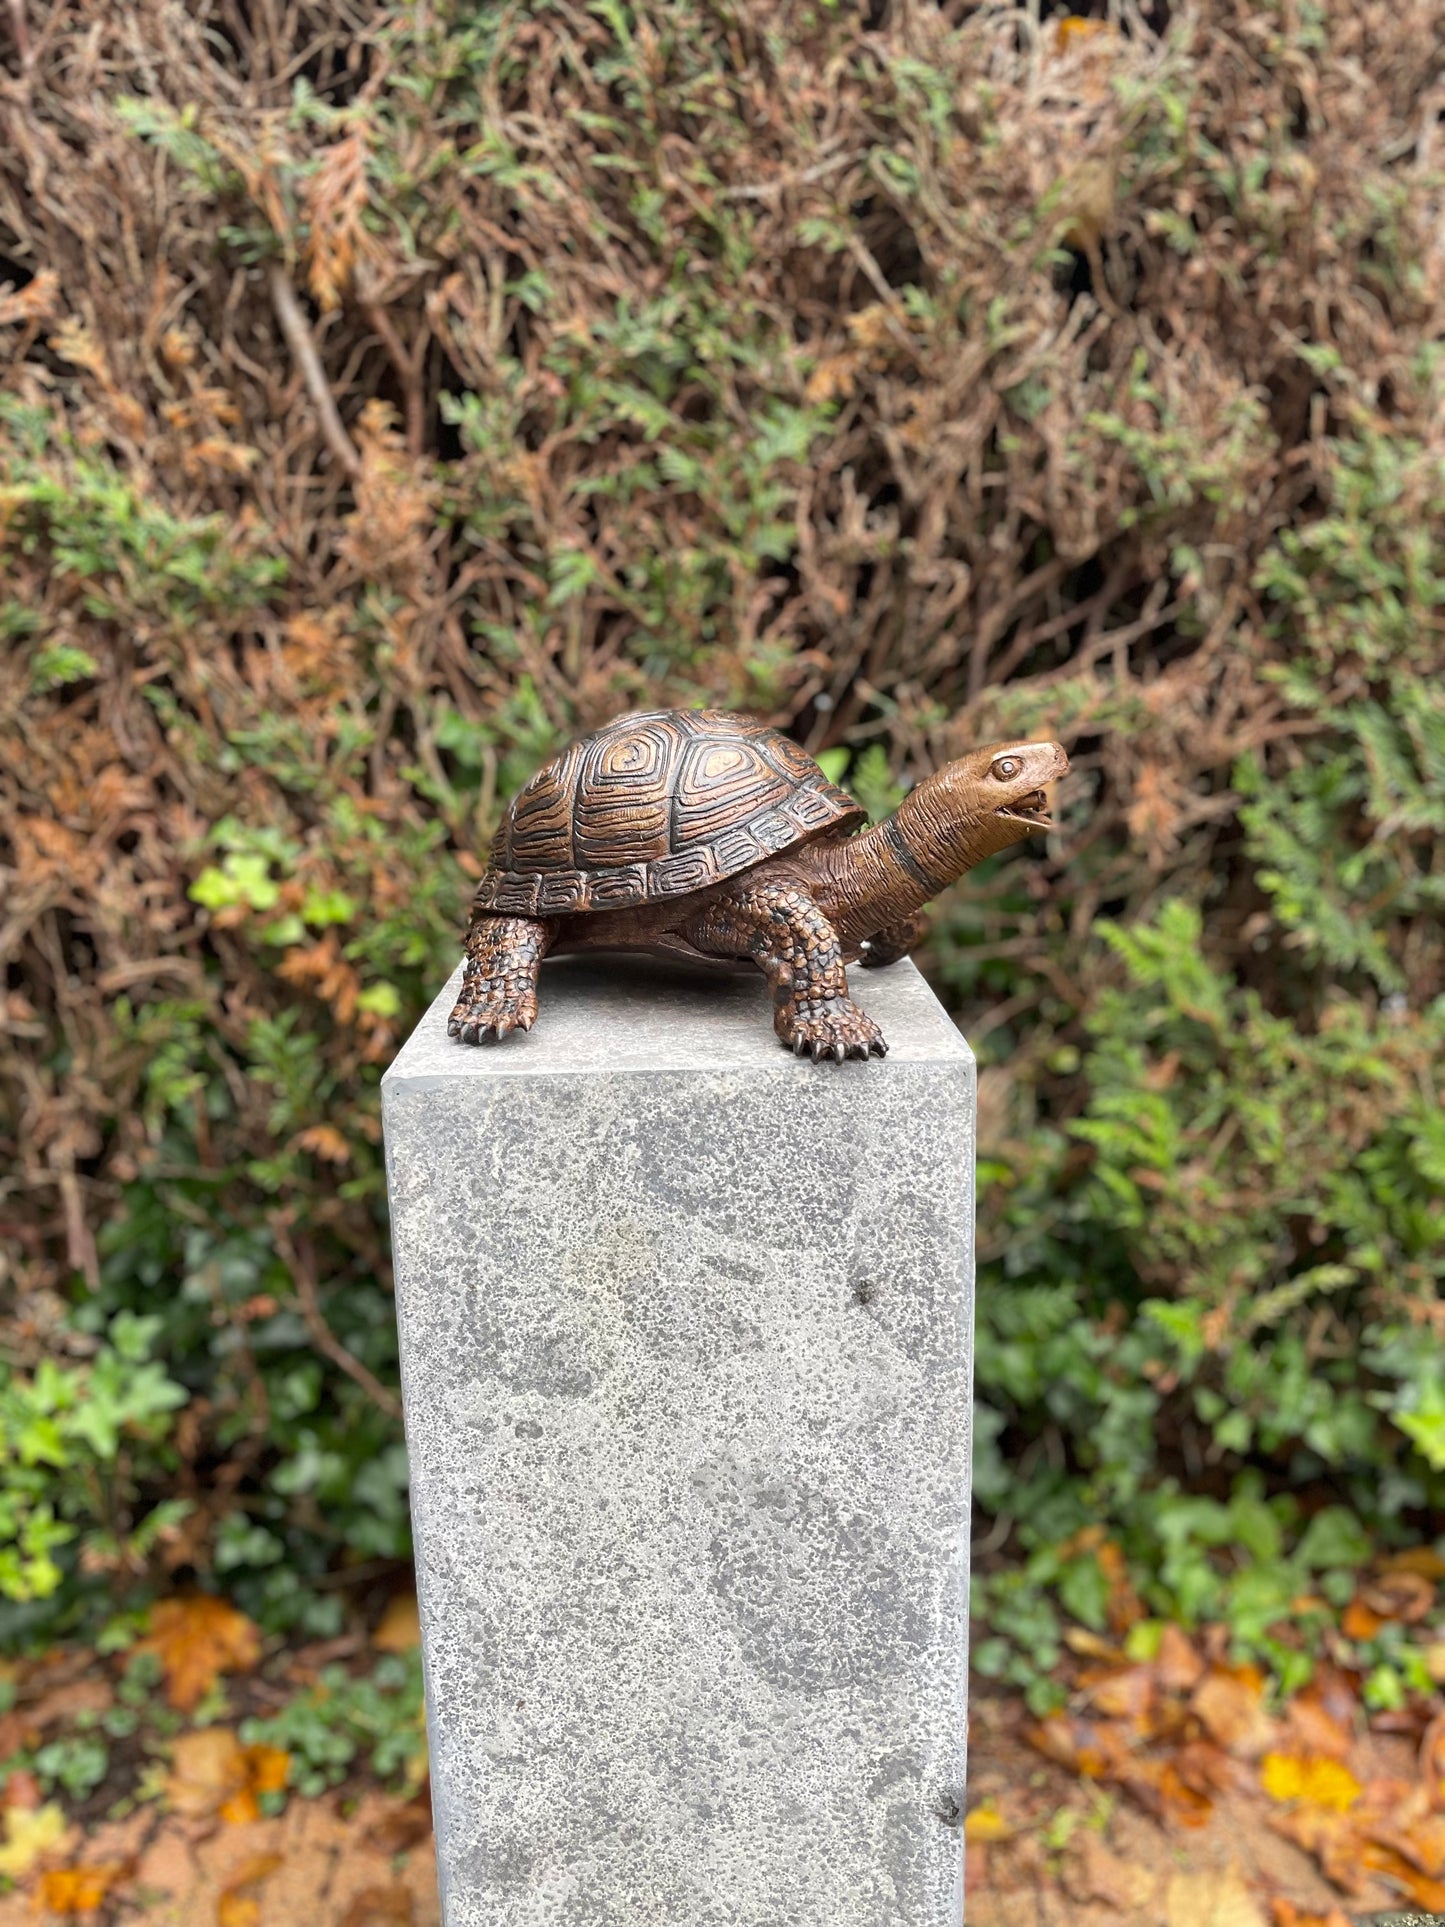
(391, 392)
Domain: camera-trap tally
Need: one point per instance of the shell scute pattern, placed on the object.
(654, 805)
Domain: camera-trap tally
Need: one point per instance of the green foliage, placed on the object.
(379, 1719)
(891, 433)
(77, 1445)
(1258, 1213)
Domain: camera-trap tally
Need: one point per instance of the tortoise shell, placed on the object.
(654, 805)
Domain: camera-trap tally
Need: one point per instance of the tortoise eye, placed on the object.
(1006, 768)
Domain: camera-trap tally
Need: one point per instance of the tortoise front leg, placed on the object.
(782, 929)
(499, 988)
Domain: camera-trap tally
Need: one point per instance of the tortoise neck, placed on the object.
(889, 872)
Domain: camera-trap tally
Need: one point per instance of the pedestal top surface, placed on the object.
(609, 1013)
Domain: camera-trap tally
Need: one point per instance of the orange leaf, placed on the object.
(1074, 30)
(78, 1890)
(1360, 1621)
(211, 1772)
(325, 1141)
(238, 1910)
(1317, 1782)
(268, 1768)
(1286, 1914)
(196, 1640)
(1426, 1893)
(208, 1772)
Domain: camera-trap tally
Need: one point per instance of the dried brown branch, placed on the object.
(300, 1261)
(298, 335)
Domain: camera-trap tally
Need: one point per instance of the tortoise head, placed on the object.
(998, 792)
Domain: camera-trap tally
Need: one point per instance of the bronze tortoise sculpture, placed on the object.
(704, 834)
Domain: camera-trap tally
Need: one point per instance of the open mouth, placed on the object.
(1033, 810)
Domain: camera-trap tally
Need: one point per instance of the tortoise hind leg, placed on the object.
(499, 989)
(782, 929)
(892, 943)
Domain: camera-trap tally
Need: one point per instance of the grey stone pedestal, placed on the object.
(685, 1340)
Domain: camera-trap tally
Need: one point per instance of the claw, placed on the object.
(840, 1051)
(878, 1047)
(800, 1044)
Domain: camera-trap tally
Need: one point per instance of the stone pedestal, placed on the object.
(685, 1343)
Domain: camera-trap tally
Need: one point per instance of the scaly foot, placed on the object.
(499, 985)
(488, 1014)
(828, 1027)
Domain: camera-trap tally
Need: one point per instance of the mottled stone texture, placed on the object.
(685, 1333)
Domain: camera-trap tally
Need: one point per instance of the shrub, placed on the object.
(391, 392)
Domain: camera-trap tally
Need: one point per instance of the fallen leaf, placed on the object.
(1206, 1768)
(324, 1141)
(1333, 1840)
(1421, 1559)
(196, 1640)
(1420, 1842)
(1177, 1666)
(1089, 1645)
(1125, 1693)
(1092, 1873)
(1360, 1621)
(380, 1907)
(29, 1832)
(1286, 1914)
(238, 1905)
(1070, 1743)
(401, 1828)
(1432, 1760)
(1427, 1894)
(268, 1768)
(1209, 1900)
(1124, 1607)
(212, 1773)
(238, 1910)
(78, 1890)
(1315, 1729)
(400, 1628)
(1187, 1805)
(1074, 29)
(986, 1823)
(1316, 1781)
(1401, 1594)
(1229, 1703)
(21, 1789)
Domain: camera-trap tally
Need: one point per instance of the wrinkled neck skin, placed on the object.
(938, 832)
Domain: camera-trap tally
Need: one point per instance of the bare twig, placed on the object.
(298, 334)
(409, 370)
(301, 1263)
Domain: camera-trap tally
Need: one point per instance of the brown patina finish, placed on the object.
(710, 836)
